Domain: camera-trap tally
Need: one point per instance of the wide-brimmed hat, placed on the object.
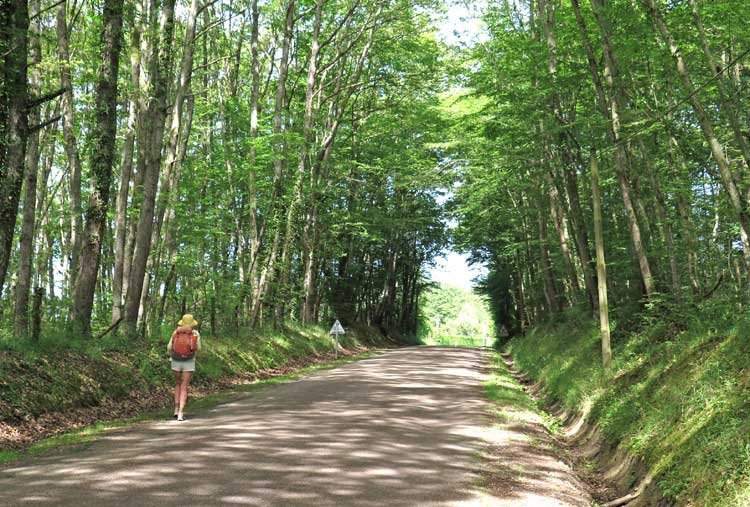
(187, 320)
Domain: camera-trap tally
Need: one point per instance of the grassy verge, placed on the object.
(678, 394)
(509, 399)
(42, 385)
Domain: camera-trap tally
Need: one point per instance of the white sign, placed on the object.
(337, 329)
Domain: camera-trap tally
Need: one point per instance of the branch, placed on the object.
(32, 18)
(207, 5)
(44, 98)
(110, 328)
(344, 21)
(205, 29)
(716, 286)
(40, 126)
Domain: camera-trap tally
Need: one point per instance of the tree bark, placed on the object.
(14, 25)
(102, 160)
(151, 144)
(601, 266)
(26, 244)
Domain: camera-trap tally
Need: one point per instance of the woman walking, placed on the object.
(183, 345)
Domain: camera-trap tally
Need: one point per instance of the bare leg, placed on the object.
(177, 389)
(184, 391)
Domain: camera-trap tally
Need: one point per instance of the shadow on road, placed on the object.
(402, 429)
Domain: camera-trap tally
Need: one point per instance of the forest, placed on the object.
(252, 162)
(271, 163)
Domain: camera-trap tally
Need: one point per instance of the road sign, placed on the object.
(336, 330)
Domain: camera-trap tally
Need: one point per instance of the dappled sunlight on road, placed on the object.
(403, 429)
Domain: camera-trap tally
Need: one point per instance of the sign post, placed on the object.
(336, 330)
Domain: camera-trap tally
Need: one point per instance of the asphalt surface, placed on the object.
(406, 428)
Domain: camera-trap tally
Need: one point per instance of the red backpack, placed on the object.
(184, 344)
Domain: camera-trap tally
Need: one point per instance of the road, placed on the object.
(407, 428)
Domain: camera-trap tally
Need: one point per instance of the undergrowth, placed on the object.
(677, 394)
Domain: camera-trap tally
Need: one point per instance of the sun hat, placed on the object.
(187, 320)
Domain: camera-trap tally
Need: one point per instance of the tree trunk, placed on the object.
(103, 137)
(601, 266)
(14, 25)
(126, 173)
(261, 290)
(71, 144)
(151, 144)
(725, 171)
(26, 245)
(307, 126)
(611, 112)
(550, 291)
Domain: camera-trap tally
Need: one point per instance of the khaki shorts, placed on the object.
(188, 365)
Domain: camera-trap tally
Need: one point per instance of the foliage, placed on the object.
(454, 316)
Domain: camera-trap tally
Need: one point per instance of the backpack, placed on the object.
(184, 344)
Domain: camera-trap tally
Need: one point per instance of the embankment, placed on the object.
(671, 421)
(56, 386)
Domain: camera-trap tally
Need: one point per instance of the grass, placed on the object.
(676, 396)
(505, 392)
(201, 404)
(456, 341)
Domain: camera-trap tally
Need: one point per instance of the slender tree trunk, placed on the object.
(153, 138)
(14, 25)
(560, 220)
(307, 126)
(601, 266)
(71, 144)
(550, 291)
(661, 212)
(126, 173)
(611, 112)
(261, 291)
(725, 170)
(255, 232)
(26, 245)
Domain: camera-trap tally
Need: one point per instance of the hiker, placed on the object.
(183, 344)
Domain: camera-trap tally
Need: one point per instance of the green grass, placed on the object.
(677, 395)
(201, 404)
(505, 392)
(455, 341)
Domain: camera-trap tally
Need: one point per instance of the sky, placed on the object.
(462, 27)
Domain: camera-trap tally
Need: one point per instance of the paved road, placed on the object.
(402, 429)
